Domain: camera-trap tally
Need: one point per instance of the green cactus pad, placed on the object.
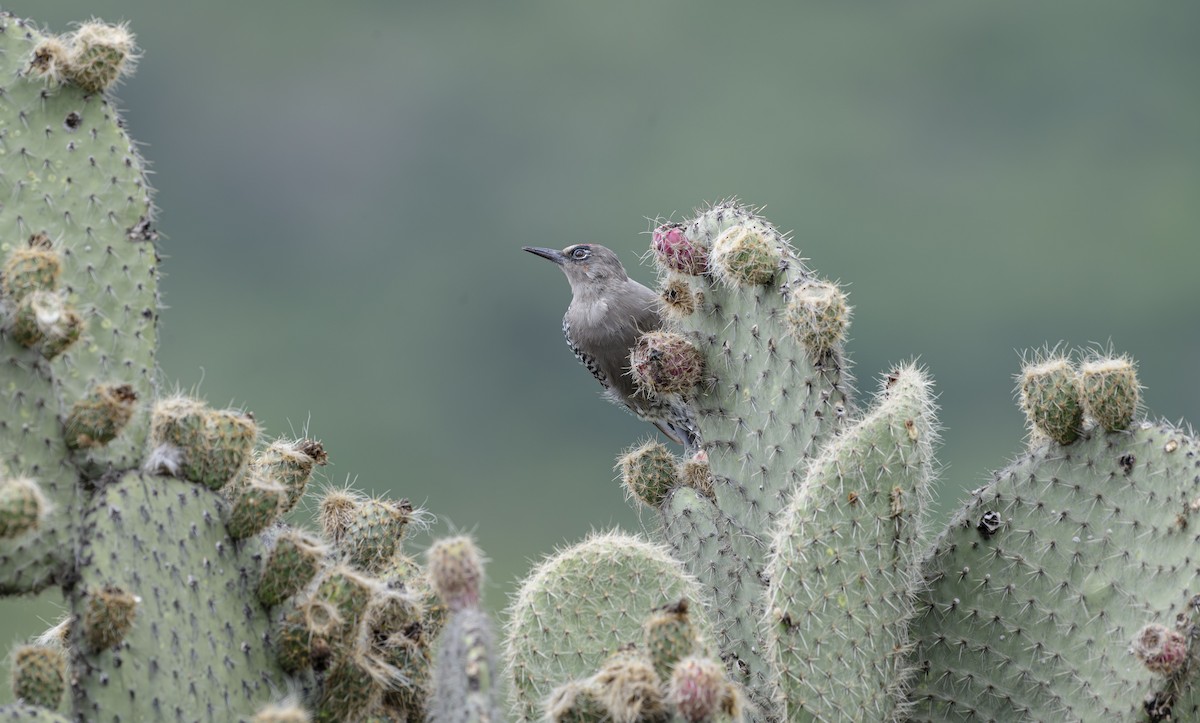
(194, 584)
(291, 463)
(819, 316)
(97, 419)
(349, 592)
(21, 507)
(75, 177)
(649, 472)
(254, 506)
(669, 637)
(373, 532)
(767, 406)
(36, 268)
(293, 562)
(1050, 397)
(1110, 391)
(579, 606)
(207, 446)
(843, 557)
(99, 55)
(1048, 573)
(39, 675)
(349, 691)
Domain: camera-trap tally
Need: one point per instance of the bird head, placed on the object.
(587, 266)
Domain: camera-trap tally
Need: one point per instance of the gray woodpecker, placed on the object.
(608, 312)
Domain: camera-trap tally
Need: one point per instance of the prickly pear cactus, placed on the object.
(1064, 590)
(160, 517)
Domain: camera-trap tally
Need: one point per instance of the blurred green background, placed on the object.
(344, 193)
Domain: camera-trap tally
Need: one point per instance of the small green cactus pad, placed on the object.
(1051, 399)
(39, 675)
(21, 507)
(25, 713)
(72, 175)
(1110, 390)
(374, 531)
(843, 561)
(195, 644)
(1036, 591)
(291, 463)
(649, 472)
(580, 605)
(669, 637)
(292, 563)
(348, 691)
(97, 418)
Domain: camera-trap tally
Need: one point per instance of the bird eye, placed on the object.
(580, 253)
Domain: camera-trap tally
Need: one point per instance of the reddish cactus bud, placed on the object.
(1162, 650)
(676, 252)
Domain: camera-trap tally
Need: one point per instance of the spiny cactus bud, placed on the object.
(290, 463)
(1110, 392)
(108, 615)
(299, 630)
(209, 447)
(35, 268)
(456, 571)
(678, 298)
(45, 317)
(254, 506)
(349, 690)
(696, 473)
(292, 564)
(629, 689)
(1050, 399)
(348, 592)
(393, 611)
(1161, 650)
(373, 532)
(100, 55)
(745, 256)
(818, 315)
(574, 702)
(676, 252)
(336, 511)
(99, 417)
(699, 691)
(21, 507)
(282, 713)
(664, 362)
(39, 675)
(669, 637)
(649, 472)
(50, 58)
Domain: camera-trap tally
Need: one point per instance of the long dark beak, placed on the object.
(553, 254)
